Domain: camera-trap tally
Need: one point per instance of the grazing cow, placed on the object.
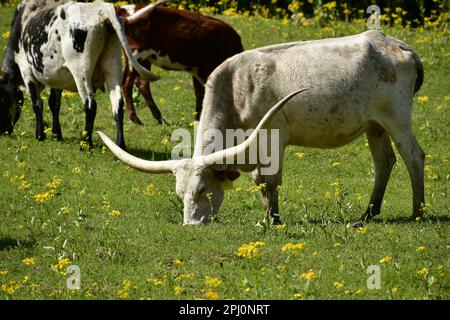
(65, 45)
(358, 84)
(174, 40)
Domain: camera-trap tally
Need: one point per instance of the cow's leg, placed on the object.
(90, 108)
(414, 158)
(269, 193)
(199, 94)
(128, 79)
(144, 89)
(400, 129)
(86, 93)
(54, 101)
(384, 159)
(38, 109)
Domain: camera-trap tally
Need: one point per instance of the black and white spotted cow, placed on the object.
(65, 45)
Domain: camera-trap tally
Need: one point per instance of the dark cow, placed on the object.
(66, 46)
(174, 40)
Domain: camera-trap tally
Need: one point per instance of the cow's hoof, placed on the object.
(122, 146)
(356, 224)
(276, 220)
(41, 136)
(136, 120)
(57, 136)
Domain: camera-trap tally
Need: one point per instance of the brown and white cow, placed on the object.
(174, 40)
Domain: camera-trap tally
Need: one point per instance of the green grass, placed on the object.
(147, 238)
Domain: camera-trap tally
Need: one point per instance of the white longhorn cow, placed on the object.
(358, 84)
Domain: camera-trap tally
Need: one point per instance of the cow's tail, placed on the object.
(110, 13)
(420, 72)
(419, 66)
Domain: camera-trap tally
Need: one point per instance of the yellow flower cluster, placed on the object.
(250, 250)
(60, 266)
(123, 293)
(11, 287)
(293, 248)
(29, 261)
(310, 275)
(212, 282)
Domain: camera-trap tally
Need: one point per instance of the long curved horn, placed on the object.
(136, 163)
(144, 10)
(110, 13)
(230, 153)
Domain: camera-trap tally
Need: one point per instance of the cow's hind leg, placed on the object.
(384, 159)
(38, 109)
(54, 101)
(269, 194)
(199, 95)
(414, 158)
(399, 128)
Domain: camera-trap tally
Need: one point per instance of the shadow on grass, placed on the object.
(7, 243)
(148, 154)
(384, 220)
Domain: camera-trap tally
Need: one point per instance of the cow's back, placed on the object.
(191, 35)
(350, 79)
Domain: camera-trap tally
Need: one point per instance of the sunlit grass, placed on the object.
(60, 206)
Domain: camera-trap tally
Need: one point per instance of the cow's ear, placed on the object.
(223, 175)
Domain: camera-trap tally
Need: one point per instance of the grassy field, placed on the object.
(60, 206)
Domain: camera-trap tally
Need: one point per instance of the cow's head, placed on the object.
(199, 180)
(11, 101)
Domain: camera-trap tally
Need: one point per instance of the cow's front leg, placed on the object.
(38, 109)
(54, 102)
(90, 108)
(128, 79)
(269, 194)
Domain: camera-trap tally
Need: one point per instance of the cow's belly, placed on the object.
(325, 127)
(57, 78)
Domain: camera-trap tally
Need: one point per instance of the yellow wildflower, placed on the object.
(61, 264)
(299, 154)
(421, 248)
(212, 295)
(339, 284)
(184, 276)
(293, 248)
(154, 281)
(386, 259)
(177, 290)
(29, 261)
(250, 250)
(76, 170)
(309, 276)
(10, 288)
(423, 99)
(297, 296)
(362, 230)
(423, 272)
(115, 213)
(6, 34)
(212, 282)
(3, 272)
(178, 262)
(394, 291)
